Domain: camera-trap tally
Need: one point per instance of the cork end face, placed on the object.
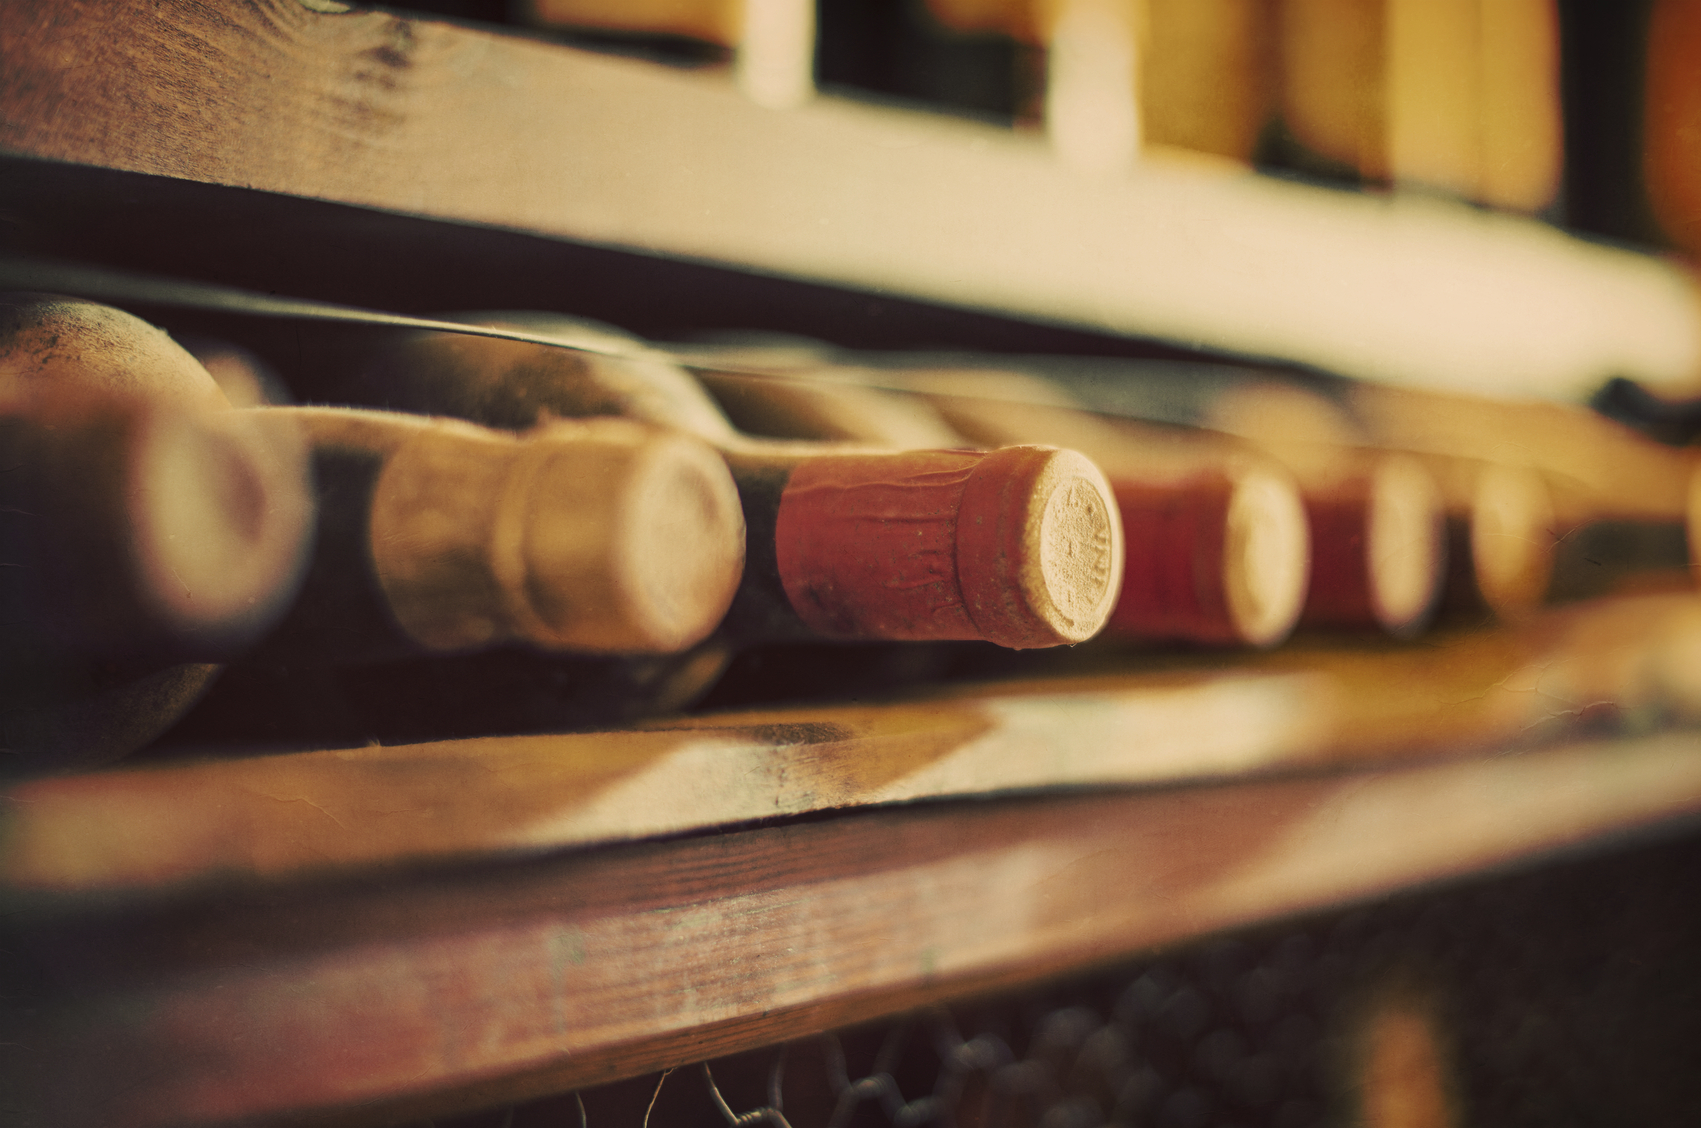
(1512, 540)
(220, 519)
(636, 541)
(1039, 547)
(1266, 557)
(1405, 544)
(684, 544)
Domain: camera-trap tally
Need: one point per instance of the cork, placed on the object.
(1220, 557)
(221, 513)
(1379, 548)
(148, 529)
(1513, 529)
(1020, 546)
(594, 536)
(1267, 551)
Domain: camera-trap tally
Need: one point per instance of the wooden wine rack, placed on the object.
(367, 933)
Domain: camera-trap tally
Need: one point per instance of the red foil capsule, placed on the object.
(1220, 557)
(1020, 546)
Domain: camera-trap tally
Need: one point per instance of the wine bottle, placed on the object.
(790, 388)
(436, 536)
(1019, 547)
(54, 342)
(1499, 526)
(1458, 97)
(845, 544)
(148, 533)
(1218, 542)
(1216, 546)
(138, 531)
(1549, 501)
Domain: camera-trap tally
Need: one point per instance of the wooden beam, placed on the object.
(498, 982)
(375, 109)
(218, 822)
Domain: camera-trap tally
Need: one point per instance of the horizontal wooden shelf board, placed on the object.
(153, 826)
(577, 969)
(431, 119)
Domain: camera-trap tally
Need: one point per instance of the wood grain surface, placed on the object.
(1624, 665)
(490, 984)
(375, 109)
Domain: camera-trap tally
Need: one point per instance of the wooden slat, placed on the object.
(498, 983)
(1627, 662)
(374, 109)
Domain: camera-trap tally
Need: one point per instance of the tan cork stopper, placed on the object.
(220, 511)
(1405, 542)
(1513, 536)
(600, 536)
(1266, 556)
(1039, 547)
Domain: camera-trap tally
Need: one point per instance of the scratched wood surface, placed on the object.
(1624, 665)
(497, 982)
(376, 109)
